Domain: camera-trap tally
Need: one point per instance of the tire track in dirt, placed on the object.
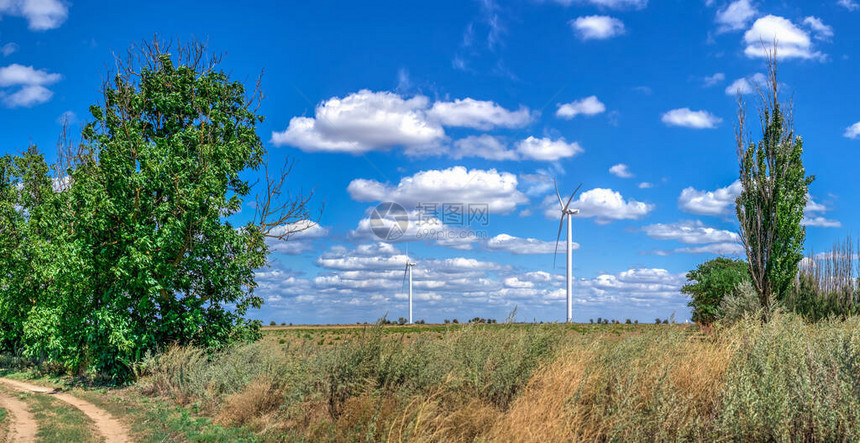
(109, 427)
(22, 425)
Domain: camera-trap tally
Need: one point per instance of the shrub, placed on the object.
(710, 282)
(743, 300)
(827, 285)
(792, 381)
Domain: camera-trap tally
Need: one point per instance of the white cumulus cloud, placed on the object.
(24, 86)
(41, 15)
(852, 131)
(602, 204)
(611, 4)
(747, 85)
(621, 170)
(791, 41)
(586, 106)
(477, 114)
(597, 27)
(820, 222)
(735, 16)
(712, 80)
(8, 49)
(813, 215)
(547, 149)
(736, 249)
(299, 238)
(361, 122)
(16, 74)
(376, 121)
(821, 31)
(522, 246)
(850, 5)
(483, 146)
(687, 118)
(27, 96)
(690, 232)
(453, 185)
(718, 202)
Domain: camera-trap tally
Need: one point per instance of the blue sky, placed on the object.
(484, 103)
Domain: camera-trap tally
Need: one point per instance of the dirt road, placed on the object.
(22, 424)
(109, 427)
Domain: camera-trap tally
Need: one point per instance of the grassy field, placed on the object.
(786, 380)
(783, 381)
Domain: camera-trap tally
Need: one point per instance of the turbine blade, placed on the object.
(557, 238)
(571, 195)
(403, 285)
(560, 204)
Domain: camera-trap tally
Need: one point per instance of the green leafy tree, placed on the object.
(131, 247)
(775, 189)
(31, 214)
(710, 282)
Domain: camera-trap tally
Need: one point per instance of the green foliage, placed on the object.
(792, 381)
(710, 282)
(775, 189)
(740, 302)
(827, 285)
(129, 249)
(809, 299)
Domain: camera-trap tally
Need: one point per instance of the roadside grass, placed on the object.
(157, 420)
(4, 424)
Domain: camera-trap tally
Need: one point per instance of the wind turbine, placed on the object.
(566, 213)
(408, 271)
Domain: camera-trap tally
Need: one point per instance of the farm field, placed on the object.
(782, 380)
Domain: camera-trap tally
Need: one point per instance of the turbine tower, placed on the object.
(408, 272)
(566, 213)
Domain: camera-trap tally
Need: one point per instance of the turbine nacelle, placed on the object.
(565, 210)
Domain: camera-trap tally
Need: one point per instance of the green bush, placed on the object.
(792, 381)
(740, 302)
(710, 282)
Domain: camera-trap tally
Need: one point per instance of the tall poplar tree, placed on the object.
(775, 188)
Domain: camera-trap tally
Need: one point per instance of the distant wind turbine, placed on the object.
(566, 213)
(408, 272)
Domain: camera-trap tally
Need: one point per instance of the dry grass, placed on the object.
(541, 412)
(787, 380)
(620, 391)
(253, 405)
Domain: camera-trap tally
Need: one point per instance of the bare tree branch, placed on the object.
(279, 213)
